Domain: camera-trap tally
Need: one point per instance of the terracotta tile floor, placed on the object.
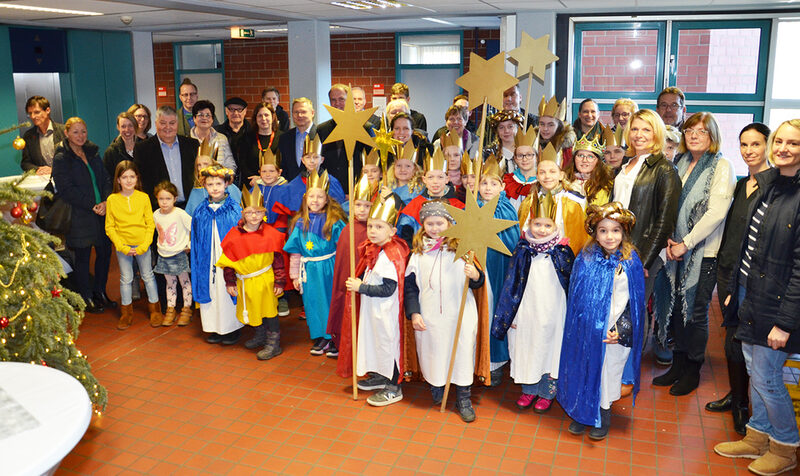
(180, 406)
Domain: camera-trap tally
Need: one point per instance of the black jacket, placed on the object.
(654, 202)
(773, 281)
(32, 154)
(74, 184)
(336, 156)
(283, 119)
(115, 154)
(248, 155)
(150, 160)
(286, 142)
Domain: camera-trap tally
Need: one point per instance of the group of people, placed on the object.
(610, 218)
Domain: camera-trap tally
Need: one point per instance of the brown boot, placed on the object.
(126, 316)
(779, 459)
(186, 316)
(156, 318)
(169, 317)
(625, 390)
(754, 445)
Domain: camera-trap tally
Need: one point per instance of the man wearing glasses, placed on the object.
(188, 95)
(236, 126)
(42, 139)
(671, 106)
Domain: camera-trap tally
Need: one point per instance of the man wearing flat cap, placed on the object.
(236, 127)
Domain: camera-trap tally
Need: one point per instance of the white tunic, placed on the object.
(615, 354)
(539, 324)
(219, 315)
(378, 324)
(441, 283)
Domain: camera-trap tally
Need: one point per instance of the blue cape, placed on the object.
(582, 348)
(227, 217)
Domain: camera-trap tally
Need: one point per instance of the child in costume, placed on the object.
(129, 225)
(405, 176)
(206, 157)
(452, 151)
(569, 205)
(312, 247)
(174, 226)
(588, 175)
(435, 179)
(211, 222)
(380, 314)
(605, 318)
(469, 172)
(255, 275)
(533, 304)
(312, 160)
(362, 201)
(518, 183)
(434, 285)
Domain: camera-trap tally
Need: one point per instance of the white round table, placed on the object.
(55, 413)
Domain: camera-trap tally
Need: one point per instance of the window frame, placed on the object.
(176, 53)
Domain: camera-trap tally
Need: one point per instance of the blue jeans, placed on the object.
(126, 276)
(544, 388)
(773, 412)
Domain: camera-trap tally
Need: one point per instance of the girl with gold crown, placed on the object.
(405, 176)
(587, 174)
(555, 131)
(605, 319)
(311, 245)
(518, 183)
(533, 303)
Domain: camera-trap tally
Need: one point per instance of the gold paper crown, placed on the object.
(312, 145)
(505, 115)
(217, 170)
(553, 109)
(470, 166)
(528, 137)
(318, 180)
(435, 162)
(252, 199)
(612, 138)
(363, 189)
(385, 210)
(449, 139)
(268, 157)
(408, 152)
(613, 211)
(207, 149)
(595, 144)
(544, 206)
(371, 159)
(549, 153)
(491, 168)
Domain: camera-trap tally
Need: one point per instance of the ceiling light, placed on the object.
(436, 20)
(49, 10)
(367, 4)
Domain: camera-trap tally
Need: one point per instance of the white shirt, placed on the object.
(623, 183)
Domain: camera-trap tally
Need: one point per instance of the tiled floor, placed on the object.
(180, 406)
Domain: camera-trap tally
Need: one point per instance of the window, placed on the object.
(783, 102)
(201, 62)
(430, 49)
(619, 60)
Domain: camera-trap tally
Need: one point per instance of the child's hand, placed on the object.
(277, 290)
(471, 271)
(132, 252)
(298, 285)
(232, 290)
(611, 337)
(385, 192)
(353, 284)
(417, 322)
(513, 326)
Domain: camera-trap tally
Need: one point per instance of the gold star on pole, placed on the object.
(476, 228)
(350, 126)
(384, 142)
(486, 79)
(532, 56)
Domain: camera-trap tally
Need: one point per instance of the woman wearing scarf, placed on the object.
(708, 182)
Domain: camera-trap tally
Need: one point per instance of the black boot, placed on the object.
(259, 338)
(721, 405)
(740, 385)
(464, 403)
(103, 299)
(231, 337)
(605, 423)
(674, 373)
(689, 380)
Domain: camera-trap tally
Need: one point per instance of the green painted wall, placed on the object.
(9, 158)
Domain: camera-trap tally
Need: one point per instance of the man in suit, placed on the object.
(290, 143)
(271, 95)
(335, 154)
(188, 95)
(42, 139)
(167, 156)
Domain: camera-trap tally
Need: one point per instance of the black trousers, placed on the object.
(83, 258)
(691, 336)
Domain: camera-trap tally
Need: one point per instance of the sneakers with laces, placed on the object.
(387, 396)
(319, 346)
(372, 382)
(283, 307)
(331, 351)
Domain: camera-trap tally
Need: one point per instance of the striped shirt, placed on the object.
(753, 232)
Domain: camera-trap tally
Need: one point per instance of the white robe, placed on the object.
(539, 324)
(378, 347)
(441, 283)
(615, 354)
(219, 315)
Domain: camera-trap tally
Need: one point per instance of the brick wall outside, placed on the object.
(607, 55)
(363, 60)
(733, 64)
(472, 43)
(693, 50)
(164, 73)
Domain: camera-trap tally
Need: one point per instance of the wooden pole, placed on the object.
(351, 225)
(482, 141)
(528, 100)
(470, 260)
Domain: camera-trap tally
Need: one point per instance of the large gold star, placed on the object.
(476, 228)
(350, 126)
(384, 142)
(486, 79)
(532, 56)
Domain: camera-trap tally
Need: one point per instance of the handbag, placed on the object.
(55, 213)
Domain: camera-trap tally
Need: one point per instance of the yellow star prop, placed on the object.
(384, 142)
(350, 126)
(532, 56)
(486, 79)
(476, 228)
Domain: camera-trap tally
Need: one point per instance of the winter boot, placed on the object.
(464, 403)
(778, 459)
(754, 445)
(674, 373)
(689, 381)
(186, 316)
(169, 317)
(126, 316)
(259, 338)
(721, 405)
(272, 348)
(605, 423)
(156, 318)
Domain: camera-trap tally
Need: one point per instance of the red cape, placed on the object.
(341, 271)
(415, 205)
(239, 244)
(514, 189)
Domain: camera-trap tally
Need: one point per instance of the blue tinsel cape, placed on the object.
(582, 348)
(227, 216)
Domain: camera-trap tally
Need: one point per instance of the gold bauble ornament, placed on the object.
(19, 143)
(27, 217)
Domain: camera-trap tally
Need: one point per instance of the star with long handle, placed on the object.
(531, 58)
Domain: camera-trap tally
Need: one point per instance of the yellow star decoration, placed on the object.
(384, 141)
(476, 228)
(486, 79)
(350, 126)
(532, 56)
(309, 245)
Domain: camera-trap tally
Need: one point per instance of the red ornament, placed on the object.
(4, 322)
(16, 212)
(56, 292)
(44, 363)
(33, 207)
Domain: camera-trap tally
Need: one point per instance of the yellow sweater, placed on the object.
(129, 221)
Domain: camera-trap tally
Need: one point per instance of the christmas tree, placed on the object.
(39, 319)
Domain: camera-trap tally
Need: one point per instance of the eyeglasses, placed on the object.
(674, 105)
(623, 115)
(252, 213)
(526, 156)
(587, 156)
(204, 115)
(696, 132)
(140, 116)
(186, 95)
(237, 110)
